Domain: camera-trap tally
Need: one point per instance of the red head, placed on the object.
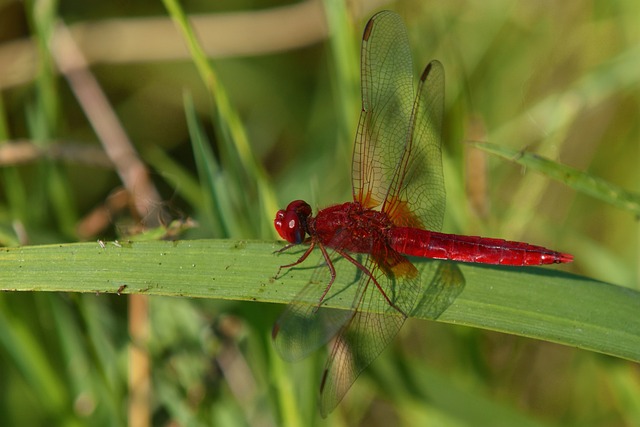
(291, 223)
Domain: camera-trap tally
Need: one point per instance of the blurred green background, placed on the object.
(556, 78)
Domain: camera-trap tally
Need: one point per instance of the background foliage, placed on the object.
(272, 121)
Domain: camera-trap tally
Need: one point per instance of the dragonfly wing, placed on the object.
(397, 160)
(387, 99)
(443, 282)
(417, 188)
(305, 325)
(376, 317)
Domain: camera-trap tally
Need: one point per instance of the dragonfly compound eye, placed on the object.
(289, 227)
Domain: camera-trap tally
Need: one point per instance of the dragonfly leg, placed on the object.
(366, 271)
(307, 241)
(299, 261)
(332, 272)
(284, 248)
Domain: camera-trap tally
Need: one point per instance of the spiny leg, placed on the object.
(299, 261)
(332, 273)
(366, 271)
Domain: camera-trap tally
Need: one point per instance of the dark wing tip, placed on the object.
(325, 409)
(367, 30)
(275, 330)
(430, 66)
(384, 14)
(426, 71)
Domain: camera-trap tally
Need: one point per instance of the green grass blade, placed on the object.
(578, 180)
(176, 175)
(239, 160)
(29, 354)
(16, 193)
(44, 119)
(450, 403)
(215, 203)
(541, 303)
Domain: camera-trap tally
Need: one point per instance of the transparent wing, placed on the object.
(417, 188)
(305, 325)
(397, 161)
(380, 307)
(387, 99)
(382, 294)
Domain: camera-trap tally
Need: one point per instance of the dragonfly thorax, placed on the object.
(350, 227)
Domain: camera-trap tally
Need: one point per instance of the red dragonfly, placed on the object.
(398, 206)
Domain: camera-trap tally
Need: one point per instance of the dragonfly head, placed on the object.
(291, 223)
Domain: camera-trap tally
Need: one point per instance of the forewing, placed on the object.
(387, 98)
(417, 194)
(375, 321)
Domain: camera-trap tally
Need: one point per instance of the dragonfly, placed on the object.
(397, 211)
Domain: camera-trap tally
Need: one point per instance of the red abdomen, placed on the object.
(429, 244)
